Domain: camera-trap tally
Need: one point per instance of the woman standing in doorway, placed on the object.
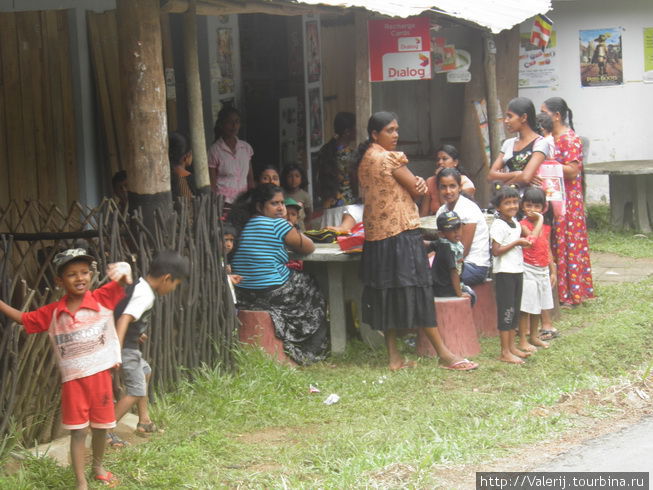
(230, 166)
(570, 244)
(397, 290)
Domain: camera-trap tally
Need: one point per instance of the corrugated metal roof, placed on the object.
(495, 15)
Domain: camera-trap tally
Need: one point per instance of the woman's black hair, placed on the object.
(178, 147)
(376, 122)
(524, 105)
(343, 121)
(558, 104)
(545, 122)
(448, 172)
(246, 204)
(450, 150)
(289, 168)
(224, 113)
(502, 193)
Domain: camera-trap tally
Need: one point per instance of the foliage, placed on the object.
(259, 427)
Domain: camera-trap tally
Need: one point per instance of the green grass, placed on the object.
(603, 239)
(260, 427)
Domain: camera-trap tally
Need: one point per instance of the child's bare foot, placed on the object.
(81, 485)
(520, 353)
(539, 343)
(510, 358)
(526, 346)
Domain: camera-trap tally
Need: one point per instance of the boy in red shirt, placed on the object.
(82, 330)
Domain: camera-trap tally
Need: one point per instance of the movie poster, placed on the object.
(538, 68)
(226, 84)
(315, 115)
(313, 51)
(601, 61)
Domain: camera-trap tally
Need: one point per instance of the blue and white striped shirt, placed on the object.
(261, 256)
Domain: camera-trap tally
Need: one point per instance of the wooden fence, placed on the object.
(189, 328)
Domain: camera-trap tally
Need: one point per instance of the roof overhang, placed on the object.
(493, 15)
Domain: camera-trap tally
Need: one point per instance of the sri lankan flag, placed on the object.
(541, 31)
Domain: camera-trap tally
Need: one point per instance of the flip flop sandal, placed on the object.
(462, 365)
(548, 334)
(116, 442)
(108, 479)
(149, 428)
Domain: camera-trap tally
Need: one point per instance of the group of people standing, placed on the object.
(398, 291)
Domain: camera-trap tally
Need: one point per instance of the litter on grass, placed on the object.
(331, 399)
(313, 389)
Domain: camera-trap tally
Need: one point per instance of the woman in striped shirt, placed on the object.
(293, 299)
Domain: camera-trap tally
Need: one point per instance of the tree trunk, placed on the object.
(143, 86)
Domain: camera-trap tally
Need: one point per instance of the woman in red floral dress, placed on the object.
(570, 244)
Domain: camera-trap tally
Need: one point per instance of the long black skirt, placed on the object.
(397, 291)
(298, 311)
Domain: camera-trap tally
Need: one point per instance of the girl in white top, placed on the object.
(507, 243)
(521, 156)
(475, 236)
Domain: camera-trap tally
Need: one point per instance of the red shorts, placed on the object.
(88, 399)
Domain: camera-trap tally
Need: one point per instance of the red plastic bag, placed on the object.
(354, 240)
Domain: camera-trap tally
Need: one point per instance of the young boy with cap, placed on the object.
(86, 347)
(448, 263)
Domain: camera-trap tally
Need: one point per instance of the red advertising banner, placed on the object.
(399, 49)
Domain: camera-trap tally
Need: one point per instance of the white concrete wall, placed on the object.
(618, 120)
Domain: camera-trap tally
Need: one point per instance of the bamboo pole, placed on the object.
(195, 112)
(490, 66)
(363, 90)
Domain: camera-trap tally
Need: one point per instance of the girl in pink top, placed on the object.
(230, 159)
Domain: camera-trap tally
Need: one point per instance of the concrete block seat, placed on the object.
(456, 324)
(256, 328)
(485, 309)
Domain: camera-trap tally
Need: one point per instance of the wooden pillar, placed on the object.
(490, 65)
(363, 90)
(143, 86)
(195, 112)
(169, 70)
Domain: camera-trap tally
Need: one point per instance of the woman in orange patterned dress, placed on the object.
(397, 290)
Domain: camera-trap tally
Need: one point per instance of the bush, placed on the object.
(598, 216)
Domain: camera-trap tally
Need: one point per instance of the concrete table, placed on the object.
(631, 192)
(342, 283)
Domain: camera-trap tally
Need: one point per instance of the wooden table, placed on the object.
(631, 192)
(341, 282)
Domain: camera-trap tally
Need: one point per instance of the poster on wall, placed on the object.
(538, 67)
(225, 59)
(315, 116)
(648, 55)
(400, 49)
(313, 52)
(288, 107)
(601, 57)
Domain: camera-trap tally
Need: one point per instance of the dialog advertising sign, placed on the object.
(400, 49)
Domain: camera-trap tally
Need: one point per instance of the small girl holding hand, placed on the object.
(539, 270)
(507, 243)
